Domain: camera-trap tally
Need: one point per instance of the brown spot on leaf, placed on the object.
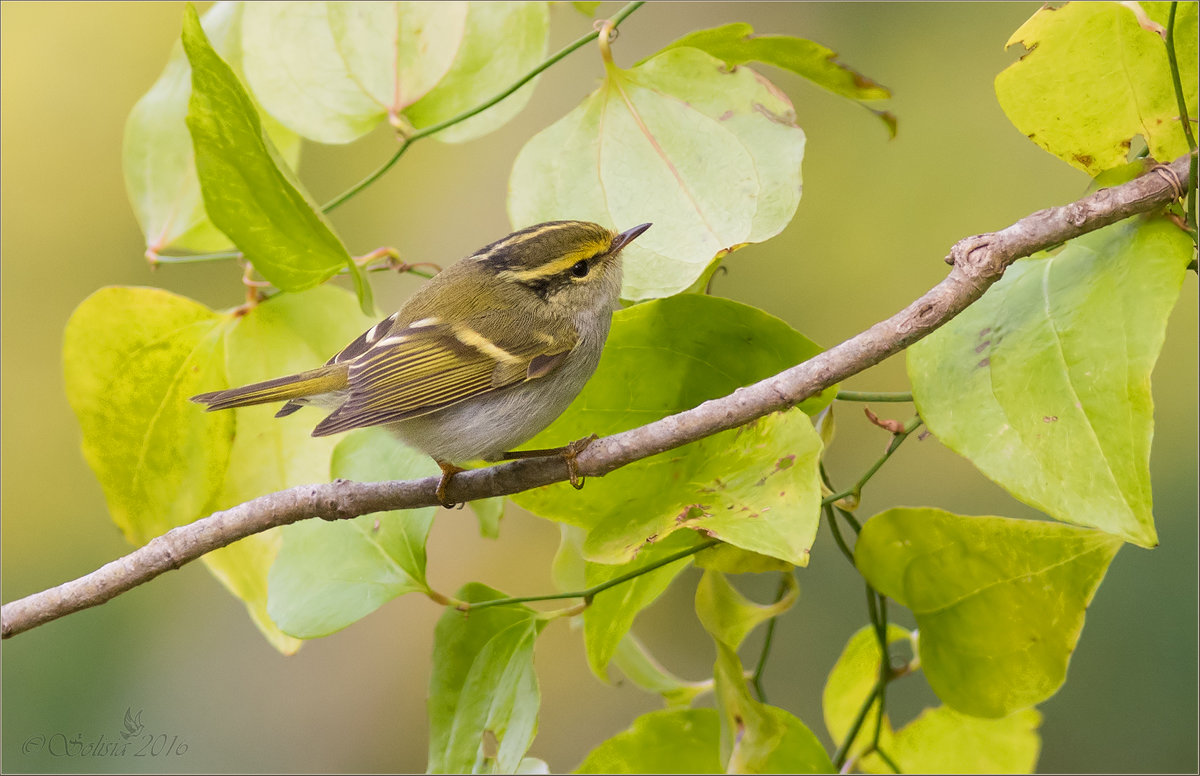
(985, 362)
(985, 331)
(726, 116)
(1084, 159)
(490, 745)
(861, 81)
(1050, 419)
(982, 346)
(788, 119)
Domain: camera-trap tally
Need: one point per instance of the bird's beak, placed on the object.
(626, 237)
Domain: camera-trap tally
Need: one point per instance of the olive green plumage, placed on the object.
(480, 358)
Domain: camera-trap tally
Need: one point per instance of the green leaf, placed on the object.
(850, 683)
(607, 621)
(756, 738)
(1044, 383)
(568, 569)
(671, 741)
(501, 43)
(731, 560)
(284, 335)
(755, 487)
(131, 358)
(483, 692)
(488, 511)
(736, 44)
(333, 71)
(157, 156)
(728, 615)
(940, 740)
(249, 193)
(1094, 79)
(999, 602)
(943, 740)
(611, 615)
(710, 157)
(331, 574)
(641, 668)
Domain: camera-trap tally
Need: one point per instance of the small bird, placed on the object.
(480, 359)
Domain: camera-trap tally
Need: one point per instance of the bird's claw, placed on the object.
(448, 471)
(570, 453)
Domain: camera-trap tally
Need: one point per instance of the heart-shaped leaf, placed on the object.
(333, 71)
(670, 741)
(331, 574)
(1044, 383)
(710, 157)
(999, 602)
(755, 487)
(1085, 97)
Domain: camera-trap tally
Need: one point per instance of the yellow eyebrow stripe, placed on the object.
(552, 268)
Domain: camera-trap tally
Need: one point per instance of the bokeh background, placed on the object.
(875, 220)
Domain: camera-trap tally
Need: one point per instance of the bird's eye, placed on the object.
(580, 269)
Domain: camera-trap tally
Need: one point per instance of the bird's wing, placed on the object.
(399, 371)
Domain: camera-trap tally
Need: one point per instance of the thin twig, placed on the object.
(1185, 120)
(436, 128)
(879, 396)
(837, 533)
(768, 638)
(897, 439)
(591, 592)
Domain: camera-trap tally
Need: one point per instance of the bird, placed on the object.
(480, 358)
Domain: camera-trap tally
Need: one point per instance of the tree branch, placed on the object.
(977, 262)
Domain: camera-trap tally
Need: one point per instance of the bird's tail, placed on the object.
(325, 379)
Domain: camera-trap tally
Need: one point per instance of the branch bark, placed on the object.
(977, 262)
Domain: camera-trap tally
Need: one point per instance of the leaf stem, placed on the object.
(879, 396)
(588, 594)
(877, 605)
(839, 757)
(1183, 117)
(897, 439)
(766, 648)
(434, 129)
(848, 516)
(877, 609)
(890, 762)
(837, 533)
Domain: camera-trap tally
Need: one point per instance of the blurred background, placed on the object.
(876, 218)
